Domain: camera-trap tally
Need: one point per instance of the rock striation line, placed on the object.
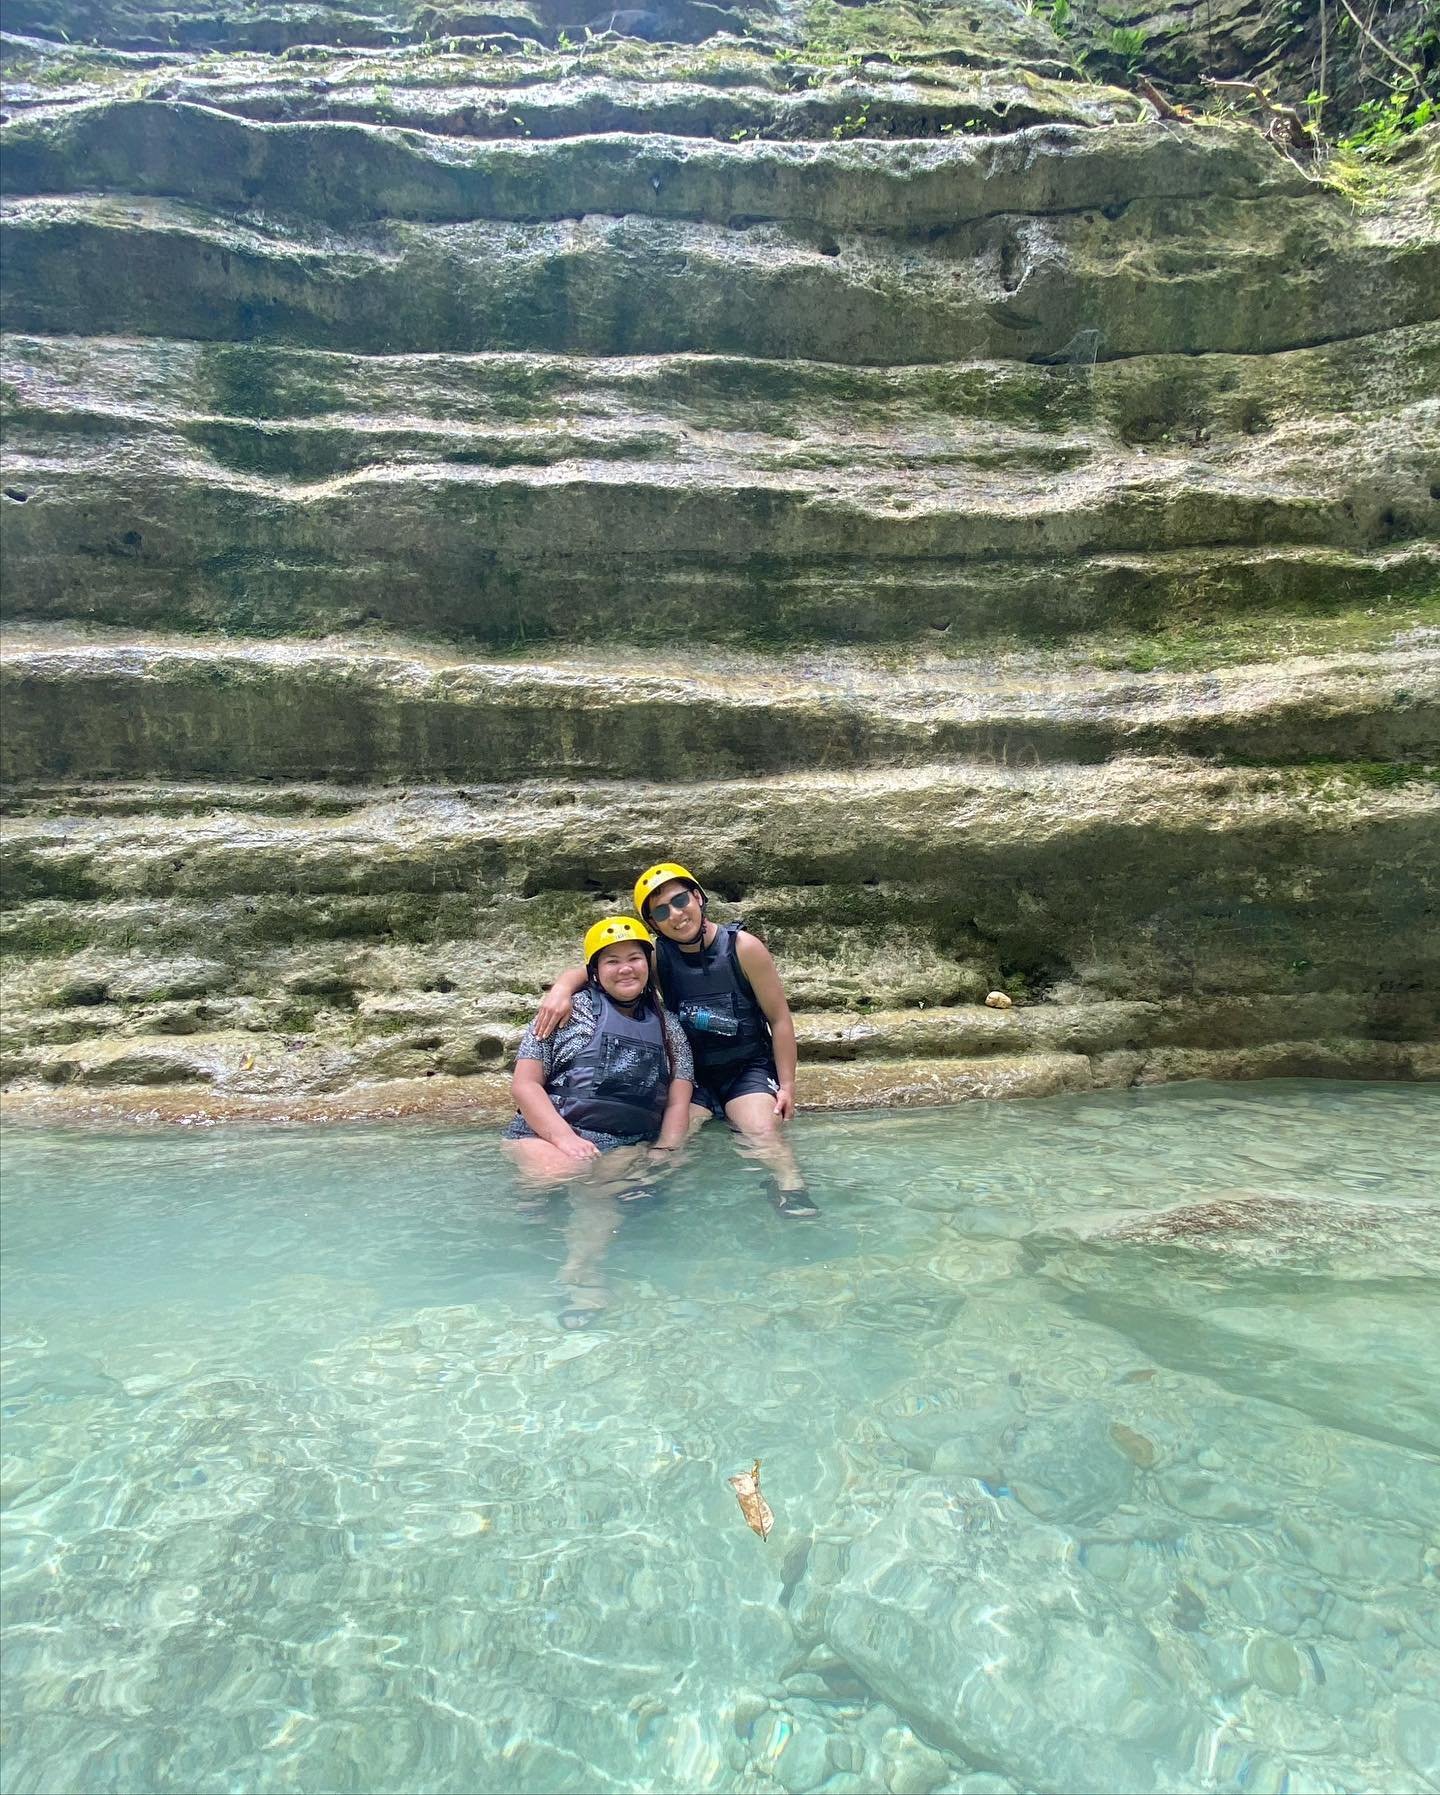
(341, 712)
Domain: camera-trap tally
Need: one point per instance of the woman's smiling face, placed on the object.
(622, 970)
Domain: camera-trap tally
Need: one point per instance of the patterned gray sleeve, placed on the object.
(532, 1048)
(557, 1054)
(682, 1064)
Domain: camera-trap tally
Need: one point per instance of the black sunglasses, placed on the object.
(681, 901)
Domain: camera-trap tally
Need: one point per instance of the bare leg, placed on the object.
(763, 1138)
(613, 1170)
(594, 1215)
(594, 1223)
(699, 1116)
(542, 1166)
(543, 1169)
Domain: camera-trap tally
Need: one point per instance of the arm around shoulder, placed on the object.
(554, 1011)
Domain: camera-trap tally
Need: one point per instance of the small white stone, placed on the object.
(997, 1000)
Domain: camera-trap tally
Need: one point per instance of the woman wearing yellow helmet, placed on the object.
(722, 983)
(618, 1074)
(615, 1079)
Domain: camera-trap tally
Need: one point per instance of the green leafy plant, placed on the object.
(1129, 44)
(1384, 124)
(1365, 166)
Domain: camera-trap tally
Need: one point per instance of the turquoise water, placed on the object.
(1101, 1435)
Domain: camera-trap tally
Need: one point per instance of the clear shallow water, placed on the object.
(1103, 1437)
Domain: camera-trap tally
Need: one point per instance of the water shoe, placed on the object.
(795, 1205)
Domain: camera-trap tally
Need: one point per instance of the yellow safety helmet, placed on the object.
(661, 875)
(612, 929)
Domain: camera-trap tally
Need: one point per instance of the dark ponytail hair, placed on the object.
(651, 993)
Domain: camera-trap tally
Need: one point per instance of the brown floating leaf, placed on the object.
(754, 1507)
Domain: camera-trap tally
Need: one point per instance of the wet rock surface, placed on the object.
(453, 460)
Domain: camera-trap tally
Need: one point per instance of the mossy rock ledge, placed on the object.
(454, 458)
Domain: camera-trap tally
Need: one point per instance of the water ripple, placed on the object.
(1101, 1434)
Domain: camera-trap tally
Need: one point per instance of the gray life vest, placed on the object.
(620, 1079)
(711, 996)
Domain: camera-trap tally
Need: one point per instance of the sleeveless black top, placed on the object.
(711, 996)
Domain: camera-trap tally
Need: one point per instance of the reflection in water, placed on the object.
(1101, 1435)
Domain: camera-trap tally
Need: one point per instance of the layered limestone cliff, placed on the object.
(456, 457)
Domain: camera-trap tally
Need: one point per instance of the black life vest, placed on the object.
(620, 1079)
(711, 996)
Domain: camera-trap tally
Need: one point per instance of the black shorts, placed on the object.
(755, 1077)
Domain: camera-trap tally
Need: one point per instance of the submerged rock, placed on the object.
(1062, 1467)
(915, 1614)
